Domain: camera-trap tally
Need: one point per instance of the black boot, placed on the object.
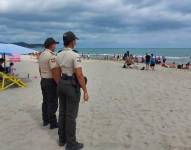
(54, 125)
(76, 146)
(45, 123)
(61, 142)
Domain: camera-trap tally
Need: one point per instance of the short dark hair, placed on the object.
(11, 64)
(66, 43)
(48, 42)
(48, 45)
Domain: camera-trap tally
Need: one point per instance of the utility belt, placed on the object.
(71, 79)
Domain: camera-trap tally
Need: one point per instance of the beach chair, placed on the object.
(7, 81)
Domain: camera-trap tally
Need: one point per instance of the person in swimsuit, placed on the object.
(152, 62)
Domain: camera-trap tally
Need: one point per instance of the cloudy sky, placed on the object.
(98, 23)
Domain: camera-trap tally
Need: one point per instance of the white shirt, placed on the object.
(68, 60)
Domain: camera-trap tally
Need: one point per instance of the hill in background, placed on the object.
(23, 44)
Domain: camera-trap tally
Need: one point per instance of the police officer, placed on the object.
(47, 61)
(72, 80)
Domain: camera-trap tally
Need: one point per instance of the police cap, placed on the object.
(49, 41)
(69, 36)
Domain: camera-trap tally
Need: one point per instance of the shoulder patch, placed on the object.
(75, 51)
(78, 59)
(53, 60)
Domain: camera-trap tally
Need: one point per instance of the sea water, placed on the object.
(179, 55)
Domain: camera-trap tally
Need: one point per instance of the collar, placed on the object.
(49, 51)
(67, 49)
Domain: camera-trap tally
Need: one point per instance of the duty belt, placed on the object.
(66, 77)
(71, 79)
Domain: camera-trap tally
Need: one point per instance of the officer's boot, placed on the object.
(76, 146)
(62, 141)
(53, 125)
(45, 123)
(53, 122)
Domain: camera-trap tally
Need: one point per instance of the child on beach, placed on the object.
(153, 62)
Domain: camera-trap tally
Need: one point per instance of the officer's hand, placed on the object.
(86, 97)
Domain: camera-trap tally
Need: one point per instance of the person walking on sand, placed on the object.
(152, 62)
(48, 85)
(69, 85)
(147, 61)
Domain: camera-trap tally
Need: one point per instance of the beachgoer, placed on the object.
(10, 69)
(164, 59)
(69, 92)
(188, 65)
(2, 69)
(147, 61)
(173, 65)
(159, 60)
(88, 56)
(152, 62)
(136, 59)
(126, 55)
(142, 59)
(128, 62)
(118, 57)
(48, 84)
(180, 66)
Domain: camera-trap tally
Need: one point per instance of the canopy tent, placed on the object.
(12, 49)
(8, 54)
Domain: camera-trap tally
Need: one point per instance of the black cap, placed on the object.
(49, 41)
(69, 36)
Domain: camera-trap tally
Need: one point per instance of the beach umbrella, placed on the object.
(12, 49)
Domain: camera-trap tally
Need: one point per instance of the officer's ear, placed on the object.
(74, 43)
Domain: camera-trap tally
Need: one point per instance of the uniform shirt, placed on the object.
(68, 60)
(47, 61)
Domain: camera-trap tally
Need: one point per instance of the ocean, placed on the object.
(178, 55)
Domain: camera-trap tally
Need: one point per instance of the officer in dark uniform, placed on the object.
(72, 80)
(47, 61)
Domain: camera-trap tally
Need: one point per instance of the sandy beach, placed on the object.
(128, 110)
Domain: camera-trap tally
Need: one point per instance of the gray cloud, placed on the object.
(116, 23)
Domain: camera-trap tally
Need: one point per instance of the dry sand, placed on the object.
(128, 110)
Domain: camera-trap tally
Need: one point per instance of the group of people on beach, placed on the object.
(150, 62)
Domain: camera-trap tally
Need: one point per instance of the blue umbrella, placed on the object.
(14, 49)
(8, 54)
(10, 49)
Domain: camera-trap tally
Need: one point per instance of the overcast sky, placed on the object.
(98, 23)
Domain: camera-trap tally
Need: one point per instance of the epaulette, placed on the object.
(75, 51)
(60, 51)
